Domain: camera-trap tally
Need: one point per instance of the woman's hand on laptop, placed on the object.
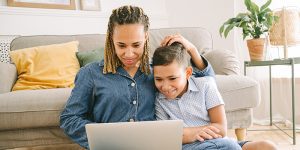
(192, 134)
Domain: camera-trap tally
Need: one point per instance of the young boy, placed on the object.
(196, 101)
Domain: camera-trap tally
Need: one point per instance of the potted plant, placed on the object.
(255, 22)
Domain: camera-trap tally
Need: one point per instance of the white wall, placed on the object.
(208, 14)
(33, 21)
(163, 13)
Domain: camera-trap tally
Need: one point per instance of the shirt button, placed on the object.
(132, 84)
(131, 120)
(134, 102)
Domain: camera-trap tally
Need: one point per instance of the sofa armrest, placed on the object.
(224, 62)
(8, 74)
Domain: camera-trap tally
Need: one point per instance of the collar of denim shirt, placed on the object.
(121, 71)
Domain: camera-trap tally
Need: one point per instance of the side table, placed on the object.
(291, 62)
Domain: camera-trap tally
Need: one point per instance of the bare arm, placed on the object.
(217, 128)
(218, 119)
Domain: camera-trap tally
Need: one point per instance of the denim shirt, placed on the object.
(104, 98)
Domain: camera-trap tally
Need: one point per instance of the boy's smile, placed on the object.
(171, 79)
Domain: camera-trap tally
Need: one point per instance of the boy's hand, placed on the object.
(208, 132)
(193, 134)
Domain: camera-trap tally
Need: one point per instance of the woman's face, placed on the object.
(129, 41)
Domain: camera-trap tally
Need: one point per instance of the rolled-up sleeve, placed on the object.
(207, 71)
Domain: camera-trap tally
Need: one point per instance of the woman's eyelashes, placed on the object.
(136, 45)
(124, 46)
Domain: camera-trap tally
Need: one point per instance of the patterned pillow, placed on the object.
(5, 41)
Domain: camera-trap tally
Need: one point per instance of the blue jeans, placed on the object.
(214, 144)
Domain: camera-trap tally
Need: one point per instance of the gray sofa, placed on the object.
(31, 117)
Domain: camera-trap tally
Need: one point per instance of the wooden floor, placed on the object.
(283, 141)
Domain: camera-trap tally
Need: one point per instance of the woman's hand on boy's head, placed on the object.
(168, 40)
(190, 48)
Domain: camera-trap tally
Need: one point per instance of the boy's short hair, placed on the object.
(165, 55)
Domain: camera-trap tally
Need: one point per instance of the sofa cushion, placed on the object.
(42, 67)
(238, 92)
(86, 57)
(87, 41)
(224, 62)
(8, 76)
(200, 37)
(32, 108)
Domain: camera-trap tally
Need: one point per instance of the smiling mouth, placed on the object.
(169, 93)
(129, 61)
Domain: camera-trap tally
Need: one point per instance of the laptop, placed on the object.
(145, 135)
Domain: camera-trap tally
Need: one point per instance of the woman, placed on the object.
(120, 88)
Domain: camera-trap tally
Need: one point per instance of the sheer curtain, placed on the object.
(281, 82)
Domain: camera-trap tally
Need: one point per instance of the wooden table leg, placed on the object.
(240, 134)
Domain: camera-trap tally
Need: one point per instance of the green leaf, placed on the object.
(252, 7)
(248, 4)
(267, 10)
(260, 17)
(255, 22)
(244, 36)
(221, 30)
(241, 24)
(228, 28)
(253, 17)
(270, 21)
(264, 6)
(245, 33)
(255, 8)
(241, 15)
(231, 21)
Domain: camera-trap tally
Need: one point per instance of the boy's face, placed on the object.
(171, 80)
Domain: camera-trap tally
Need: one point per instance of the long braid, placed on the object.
(121, 16)
(145, 59)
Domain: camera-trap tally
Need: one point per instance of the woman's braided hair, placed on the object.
(122, 16)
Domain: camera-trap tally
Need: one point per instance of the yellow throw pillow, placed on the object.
(44, 67)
